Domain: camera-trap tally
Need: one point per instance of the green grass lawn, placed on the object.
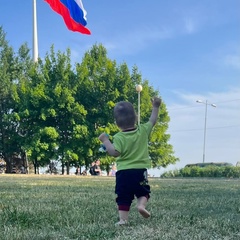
(78, 207)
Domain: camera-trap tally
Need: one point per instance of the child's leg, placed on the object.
(141, 206)
(124, 195)
(142, 193)
(123, 215)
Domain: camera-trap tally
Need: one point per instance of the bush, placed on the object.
(171, 174)
(209, 171)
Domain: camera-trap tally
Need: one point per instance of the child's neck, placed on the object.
(128, 129)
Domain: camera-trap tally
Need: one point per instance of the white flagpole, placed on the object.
(35, 35)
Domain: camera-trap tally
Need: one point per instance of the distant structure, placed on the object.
(206, 164)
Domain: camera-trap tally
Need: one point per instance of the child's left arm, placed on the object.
(156, 103)
(108, 145)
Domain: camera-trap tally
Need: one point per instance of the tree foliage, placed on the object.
(12, 71)
(51, 110)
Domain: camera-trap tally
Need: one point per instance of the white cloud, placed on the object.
(233, 60)
(222, 129)
(189, 25)
(137, 40)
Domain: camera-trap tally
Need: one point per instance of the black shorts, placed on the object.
(130, 183)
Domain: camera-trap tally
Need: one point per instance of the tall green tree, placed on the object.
(96, 92)
(64, 112)
(10, 72)
(103, 84)
(51, 121)
(31, 130)
(50, 110)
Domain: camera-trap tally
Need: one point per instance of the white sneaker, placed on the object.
(121, 223)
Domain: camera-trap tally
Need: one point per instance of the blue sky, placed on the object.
(186, 49)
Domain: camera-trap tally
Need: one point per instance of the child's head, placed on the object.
(124, 115)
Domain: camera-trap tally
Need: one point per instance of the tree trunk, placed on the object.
(36, 168)
(62, 168)
(68, 167)
(25, 162)
(8, 163)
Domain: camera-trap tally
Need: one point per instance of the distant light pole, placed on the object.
(139, 89)
(205, 124)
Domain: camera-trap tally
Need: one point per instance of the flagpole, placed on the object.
(35, 35)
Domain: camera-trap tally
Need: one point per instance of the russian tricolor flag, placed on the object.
(73, 13)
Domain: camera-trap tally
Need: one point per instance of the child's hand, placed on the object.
(103, 137)
(156, 102)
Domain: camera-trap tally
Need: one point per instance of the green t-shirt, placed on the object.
(133, 147)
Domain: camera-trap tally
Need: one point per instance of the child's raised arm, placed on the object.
(156, 103)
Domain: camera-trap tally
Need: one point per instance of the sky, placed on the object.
(188, 50)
